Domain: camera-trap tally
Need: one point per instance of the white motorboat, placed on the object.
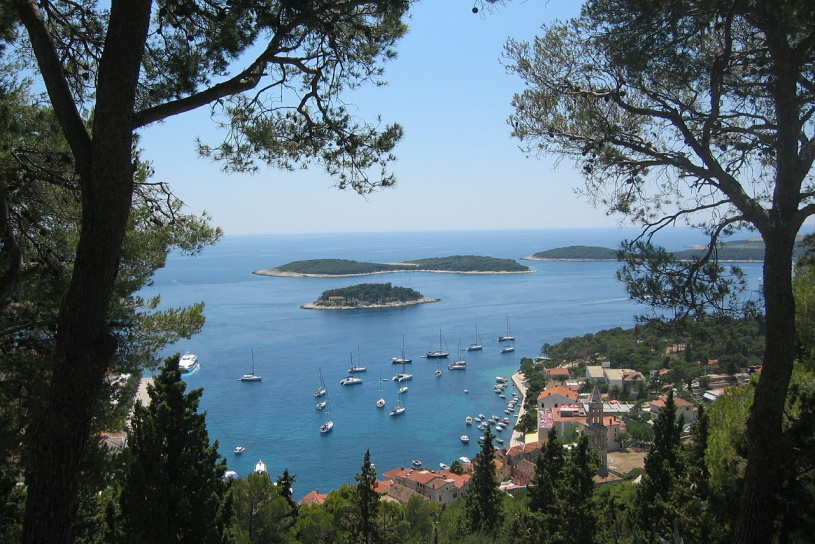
(188, 363)
(350, 380)
(402, 377)
(239, 449)
(260, 467)
(320, 405)
(443, 466)
(468, 420)
(416, 463)
(403, 389)
(465, 439)
(464, 460)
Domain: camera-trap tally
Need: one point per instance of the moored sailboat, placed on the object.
(251, 377)
(404, 359)
(321, 387)
(475, 346)
(439, 353)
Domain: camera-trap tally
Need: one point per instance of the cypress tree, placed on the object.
(367, 502)
(547, 471)
(173, 490)
(482, 503)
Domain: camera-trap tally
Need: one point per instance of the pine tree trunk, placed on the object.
(84, 343)
(764, 431)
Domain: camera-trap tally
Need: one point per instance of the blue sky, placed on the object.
(458, 168)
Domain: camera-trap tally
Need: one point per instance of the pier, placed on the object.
(520, 382)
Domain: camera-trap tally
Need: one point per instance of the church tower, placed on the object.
(598, 435)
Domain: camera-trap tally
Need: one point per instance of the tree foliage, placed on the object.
(173, 490)
(272, 74)
(697, 112)
(483, 500)
(376, 293)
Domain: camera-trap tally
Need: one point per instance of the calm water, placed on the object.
(276, 420)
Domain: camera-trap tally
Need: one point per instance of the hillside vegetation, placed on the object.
(469, 263)
(740, 250)
(344, 267)
(371, 293)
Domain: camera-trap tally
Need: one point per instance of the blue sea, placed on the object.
(275, 419)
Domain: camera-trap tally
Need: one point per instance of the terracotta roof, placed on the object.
(558, 372)
(403, 494)
(526, 467)
(315, 497)
(558, 390)
(678, 401)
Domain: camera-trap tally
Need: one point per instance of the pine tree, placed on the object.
(173, 490)
(482, 503)
(285, 483)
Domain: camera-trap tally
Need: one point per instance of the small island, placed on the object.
(750, 250)
(368, 295)
(455, 264)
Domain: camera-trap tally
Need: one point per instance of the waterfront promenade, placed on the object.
(520, 382)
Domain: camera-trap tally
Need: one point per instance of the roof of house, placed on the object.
(558, 390)
(594, 371)
(314, 497)
(678, 401)
(552, 372)
(525, 467)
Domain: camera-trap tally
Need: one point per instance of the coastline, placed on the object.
(315, 306)
(282, 274)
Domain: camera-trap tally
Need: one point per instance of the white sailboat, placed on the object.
(509, 348)
(321, 387)
(329, 423)
(381, 402)
(400, 408)
(508, 336)
(356, 367)
(252, 377)
(404, 358)
(475, 346)
(460, 363)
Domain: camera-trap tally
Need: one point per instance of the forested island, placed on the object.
(367, 295)
(751, 250)
(454, 264)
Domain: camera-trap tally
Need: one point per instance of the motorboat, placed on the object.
(260, 467)
(403, 389)
(320, 405)
(188, 363)
(416, 463)
(402, 377)
(464, 460)
(443, 466)
(350, 380)
(468, 420)
(238, 449)
(465, 438)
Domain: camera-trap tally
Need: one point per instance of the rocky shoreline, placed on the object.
(317, 306)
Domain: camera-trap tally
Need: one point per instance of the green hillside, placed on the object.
(590, 253)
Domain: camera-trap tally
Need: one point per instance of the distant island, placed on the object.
(368, 295)
(455, 264)
(750, 250)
